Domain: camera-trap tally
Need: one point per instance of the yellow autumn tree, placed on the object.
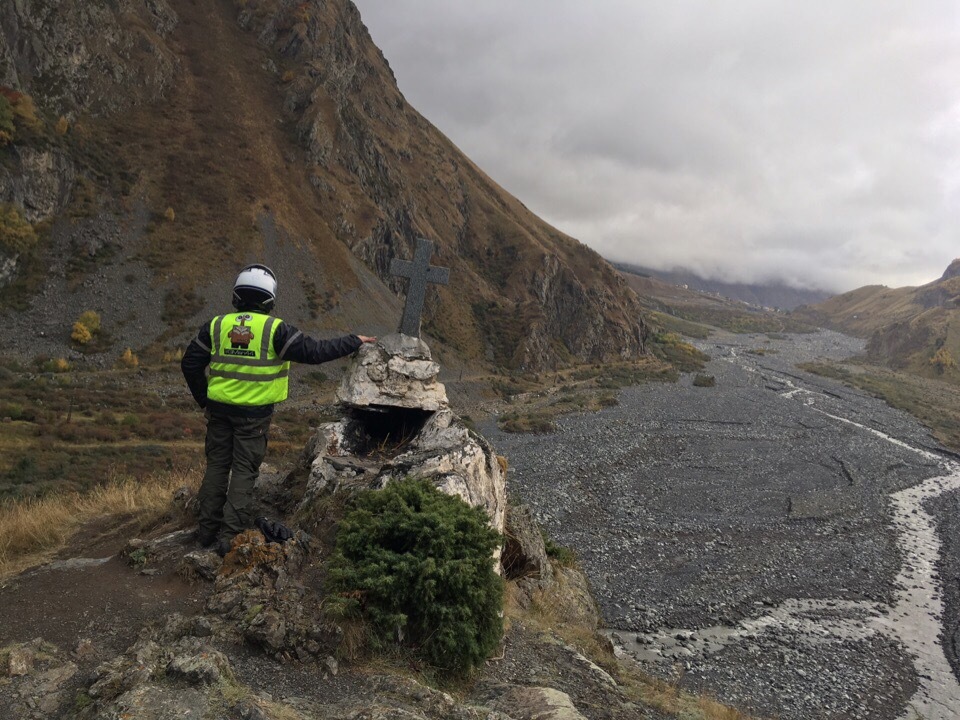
(7, 129)
(91, 319)
(81, 333)
(24, 110)
(128, 359)
(943, 360)
(86, 326)
(16, 234)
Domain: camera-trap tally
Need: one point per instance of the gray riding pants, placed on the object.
(235, 447)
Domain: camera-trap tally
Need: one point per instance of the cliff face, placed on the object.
(189, 140)
(96, 56)
(73, 59)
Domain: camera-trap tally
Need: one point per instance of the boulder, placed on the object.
(524, 553)
(157, 702)
(197, 663)
(167, 673)
(202, 564)
(459, 462)
(260, 595)
(533, 703)
(38, 682)
(20, 660)
(396, 371)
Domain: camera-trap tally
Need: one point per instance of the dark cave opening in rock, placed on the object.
(383, 431)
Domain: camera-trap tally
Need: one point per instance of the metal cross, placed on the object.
(420, 272)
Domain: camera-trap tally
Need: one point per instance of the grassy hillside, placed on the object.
(65, 429)
(913, 329)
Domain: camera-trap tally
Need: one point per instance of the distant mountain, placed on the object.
(774, 295)
(911, 328)
(151, 148)
(703, 310)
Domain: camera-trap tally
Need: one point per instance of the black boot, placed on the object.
(205, 537)
(223, 546)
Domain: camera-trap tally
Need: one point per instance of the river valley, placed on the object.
(772, 540)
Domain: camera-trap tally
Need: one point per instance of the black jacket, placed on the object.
(288, 342)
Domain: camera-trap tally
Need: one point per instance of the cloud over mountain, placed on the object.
(749, 141)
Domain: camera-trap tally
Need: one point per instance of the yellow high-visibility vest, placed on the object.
(244, 368)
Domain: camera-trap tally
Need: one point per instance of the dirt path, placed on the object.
(89, 593)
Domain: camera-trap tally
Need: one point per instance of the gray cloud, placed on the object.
(752, 140)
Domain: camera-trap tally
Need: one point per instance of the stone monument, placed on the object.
(396, 420)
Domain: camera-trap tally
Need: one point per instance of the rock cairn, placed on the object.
(396, 422)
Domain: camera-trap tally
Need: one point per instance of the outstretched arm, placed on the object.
(291, 344)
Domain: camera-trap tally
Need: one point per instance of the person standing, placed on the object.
(248, 354)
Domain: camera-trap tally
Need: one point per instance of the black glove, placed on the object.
(273, 531)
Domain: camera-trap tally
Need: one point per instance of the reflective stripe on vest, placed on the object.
(244, 368)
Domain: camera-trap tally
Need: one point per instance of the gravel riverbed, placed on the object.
(766, 540)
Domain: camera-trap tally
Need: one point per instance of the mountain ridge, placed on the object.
(274, 131)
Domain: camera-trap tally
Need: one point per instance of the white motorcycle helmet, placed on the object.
(255, 289)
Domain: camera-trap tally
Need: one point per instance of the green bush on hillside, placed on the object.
(682, 355)
(416, 564)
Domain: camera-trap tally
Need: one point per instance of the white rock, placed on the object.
(396, 371)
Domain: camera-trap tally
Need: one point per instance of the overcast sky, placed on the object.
(812, 142)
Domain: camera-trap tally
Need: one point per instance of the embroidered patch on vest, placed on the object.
(241, 336)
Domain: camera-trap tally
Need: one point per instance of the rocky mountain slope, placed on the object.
(912, 328)
(154, 146)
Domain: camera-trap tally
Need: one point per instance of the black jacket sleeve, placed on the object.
(194, 364)
(291, 344)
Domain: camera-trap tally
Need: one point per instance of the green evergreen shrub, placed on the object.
(417, 565)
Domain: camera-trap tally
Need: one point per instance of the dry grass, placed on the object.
(35, 529)
(667, 697)
(537, 399)
(935, 403)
